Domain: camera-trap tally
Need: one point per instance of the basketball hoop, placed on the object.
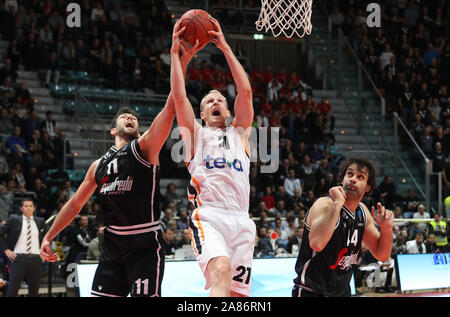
(287, 17)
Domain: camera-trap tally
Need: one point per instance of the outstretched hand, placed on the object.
(217, 36)
(46, 252)
(176, 34)
(189, 51)
(383, 217)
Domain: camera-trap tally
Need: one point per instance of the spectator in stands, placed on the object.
(48, 151)
(53, 69)
(6, 125)
(417, 127)
(337, 18)
(8, 71)
(32, 123)
(170, 243)
(59, 144)
(430, 244)
(280, 208)
(273, 88)
(67, 189)
(167, 216)
(94, 247)
(406, 105)
(417, 245)
(183, 221)
(49, 124)
(17, 175)
(46, 37)
(97, 12)
(410, 204)
(69, 54)
(23, 97)
(7, 91)
(430, 54)
(261, 119)
(281, 194)
(295, 241)
(263, 217)
(398, 212)
(326, 113)
(388, 192)
(185, 239)
(31, 51)
(171, 195)
(268, 198)
(399, 246)
(4, 165)
(426, 141)
(263, 246)
(307, 172)
(14, 55)
(42, 196)
(16, 143)
(292, 183)
(438, 227)
(421, 214)
(84, 234)
(438, 158)
(255, 198)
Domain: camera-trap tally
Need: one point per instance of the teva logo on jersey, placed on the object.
(117, 186)
(221, 162)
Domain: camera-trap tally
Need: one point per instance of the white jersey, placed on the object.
(219, 170)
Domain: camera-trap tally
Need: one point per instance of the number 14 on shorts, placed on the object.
(244, 273)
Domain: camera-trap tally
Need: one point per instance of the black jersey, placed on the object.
(129, 191)
(328, 272)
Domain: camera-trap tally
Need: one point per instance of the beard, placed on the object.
(351, 190)
(130, 135)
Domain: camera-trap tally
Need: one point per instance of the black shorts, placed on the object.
(131, 264)
(298, 291)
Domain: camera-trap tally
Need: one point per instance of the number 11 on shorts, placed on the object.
(243, 271)
(144, 283)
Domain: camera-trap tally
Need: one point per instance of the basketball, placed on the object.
(197, 23)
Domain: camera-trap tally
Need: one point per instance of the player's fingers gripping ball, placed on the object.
(198, 23)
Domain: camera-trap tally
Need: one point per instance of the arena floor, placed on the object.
(421, 293)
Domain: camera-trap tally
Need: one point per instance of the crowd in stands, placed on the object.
(409, 60)
(129, 45)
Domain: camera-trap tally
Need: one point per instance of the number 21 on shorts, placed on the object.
(244, 274)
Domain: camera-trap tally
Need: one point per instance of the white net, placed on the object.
(287, 17)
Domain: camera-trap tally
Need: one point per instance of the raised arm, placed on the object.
(154, 138)
(379, 242)
(243, 105)
(323, 217)
(183, 108)
(68, 212)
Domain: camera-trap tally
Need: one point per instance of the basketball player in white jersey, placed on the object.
(223, 235)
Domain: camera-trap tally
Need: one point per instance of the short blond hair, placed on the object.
(214, 91)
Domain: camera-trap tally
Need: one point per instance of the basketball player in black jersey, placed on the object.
(335, 226)
(127, 176)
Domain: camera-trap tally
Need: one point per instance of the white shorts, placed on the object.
(217, 232)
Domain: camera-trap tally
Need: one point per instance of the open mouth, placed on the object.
(216, 112)
(129, 125)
